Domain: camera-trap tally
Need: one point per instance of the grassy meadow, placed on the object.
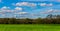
(29, 27)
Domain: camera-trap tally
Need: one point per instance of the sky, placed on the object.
(28, 8)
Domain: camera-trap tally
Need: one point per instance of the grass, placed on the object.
(29, 27)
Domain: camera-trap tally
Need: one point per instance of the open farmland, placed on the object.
(29, 27)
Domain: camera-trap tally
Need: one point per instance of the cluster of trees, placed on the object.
(50, 19)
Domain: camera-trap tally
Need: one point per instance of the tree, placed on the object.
(49, 16)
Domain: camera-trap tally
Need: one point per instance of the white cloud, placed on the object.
(53, 11)
(35, 14)
(50, 11)
(31, 4)
(56, 11)
(7, 9)
(21, 13)
(44, 4)
(22, 3)
(50, 4)
(4, 8)
(18, 8)
(46, 12)
(25, 4)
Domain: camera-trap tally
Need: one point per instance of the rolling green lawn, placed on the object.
(29, 27)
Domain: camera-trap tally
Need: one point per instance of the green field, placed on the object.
(29, 27)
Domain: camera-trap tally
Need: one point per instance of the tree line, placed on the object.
(50, 19)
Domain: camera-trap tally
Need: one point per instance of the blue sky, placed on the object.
(28, 8)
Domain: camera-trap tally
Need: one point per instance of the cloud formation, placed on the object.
(18, 8)
(25, 4)
(22, 13)
(7, 9)
(4, 8)
(50, 11)
(44, 4)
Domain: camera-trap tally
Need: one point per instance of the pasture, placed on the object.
(29, 27)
